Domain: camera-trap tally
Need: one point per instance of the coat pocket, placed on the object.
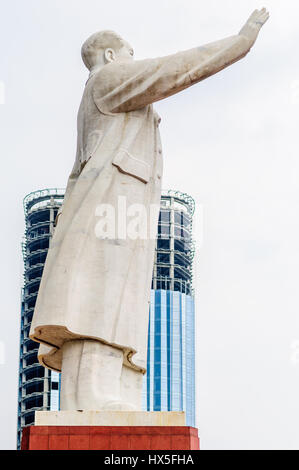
(125, 163)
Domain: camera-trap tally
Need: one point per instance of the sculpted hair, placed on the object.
(97, 43)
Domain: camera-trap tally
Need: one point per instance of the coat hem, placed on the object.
(52, 359)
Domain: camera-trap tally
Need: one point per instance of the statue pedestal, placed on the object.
(68, 434)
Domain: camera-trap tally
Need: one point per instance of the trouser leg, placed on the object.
(131, 388)
(90, 375)
(131, 384)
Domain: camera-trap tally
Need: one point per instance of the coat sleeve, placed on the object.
(127, 86)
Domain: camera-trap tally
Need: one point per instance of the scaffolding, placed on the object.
(35, 382)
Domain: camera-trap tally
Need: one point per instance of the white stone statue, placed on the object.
(91, 314)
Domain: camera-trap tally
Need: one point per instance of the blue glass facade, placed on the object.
(169, 384)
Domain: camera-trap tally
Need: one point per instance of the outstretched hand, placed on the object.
(254, 24)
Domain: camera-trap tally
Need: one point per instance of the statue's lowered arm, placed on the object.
(128, 86)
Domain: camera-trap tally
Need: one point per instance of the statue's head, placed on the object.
(104, 47)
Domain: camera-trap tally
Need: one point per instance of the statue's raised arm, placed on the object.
(125, 85)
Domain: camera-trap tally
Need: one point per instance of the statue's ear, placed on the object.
(109, 55)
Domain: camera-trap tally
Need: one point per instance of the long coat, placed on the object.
(99, 288)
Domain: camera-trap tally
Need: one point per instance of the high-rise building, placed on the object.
(169, 384)
(38, 387)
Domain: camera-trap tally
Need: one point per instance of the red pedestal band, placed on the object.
(110, 438)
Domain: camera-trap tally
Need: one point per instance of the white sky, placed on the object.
(231, 142)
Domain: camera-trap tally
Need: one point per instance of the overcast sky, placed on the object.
(231, 142)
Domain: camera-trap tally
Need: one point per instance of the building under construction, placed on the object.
(169, 384)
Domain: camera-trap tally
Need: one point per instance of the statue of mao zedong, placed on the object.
(91, 314)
